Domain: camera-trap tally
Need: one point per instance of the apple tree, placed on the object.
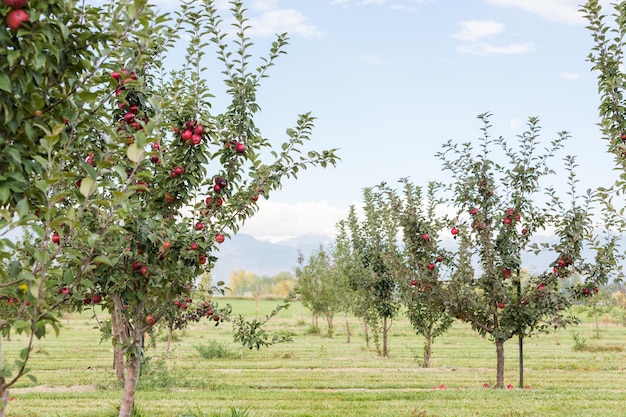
(197, 176)
(498, 213)
(607, 58)
(423, 269)
(370, 259)
(52, 96)
(318, 286)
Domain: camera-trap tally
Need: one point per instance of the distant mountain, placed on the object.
(262, 258)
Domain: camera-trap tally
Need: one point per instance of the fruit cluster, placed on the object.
(511, 217)
(192, 133)
(560, 267)
(584, 290)
(196, 312)
(16, 18)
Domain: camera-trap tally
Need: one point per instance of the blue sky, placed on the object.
(391, 80)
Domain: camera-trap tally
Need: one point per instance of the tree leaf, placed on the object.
(134, 153)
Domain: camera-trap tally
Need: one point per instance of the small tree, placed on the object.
(198, 177)
(318, 286)
(421, 276)
(499, 204)
(373, 242)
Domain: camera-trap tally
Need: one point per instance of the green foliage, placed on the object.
(252, 335)
(155, 374)
(234, 412)
(422, 270)
(499, 205)
(319, 285)
(99, 169)
(215, 349)
(368, 256)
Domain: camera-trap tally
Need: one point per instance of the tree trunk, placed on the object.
(4, 398)
(329, 321)
(118, 353)
(367, 334)
(130, 384)
(170, 331)
(118, 358)
(428, 345)
(500, 363)
(347, 329)
(385, 332)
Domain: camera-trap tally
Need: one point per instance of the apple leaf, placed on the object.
(87, 186)
(134, 153)
(99, 260)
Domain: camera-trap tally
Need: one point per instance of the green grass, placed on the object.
(318, 376)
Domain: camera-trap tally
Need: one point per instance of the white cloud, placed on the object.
(483, 48)
(473, 30)
(563, 11)
(373, 60)
(275, 21)
(569, 76)
(277, 221)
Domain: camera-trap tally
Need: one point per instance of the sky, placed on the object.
(390, 81)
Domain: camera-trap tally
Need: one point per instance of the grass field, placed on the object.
(319, 376)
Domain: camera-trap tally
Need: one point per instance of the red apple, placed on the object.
(194, 246)
(199, 129)
(150, 319)
(96, 298)
(510, 386)
(240, 147)
(431, 266)
(217, 188)
(474, 211)
(454, 231)
(413, 283)
(540, 287)
(425, 236)
(65, 290)
(16, 18)
(137, 266)
(507, 272)
(219, 238)
(524, 231)
(199, 226)
(201, 259)
(500, 305)
(561, 263)
(186, 135)
(507, 221)
(144, 271)
(586, 291)
(56, 238)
